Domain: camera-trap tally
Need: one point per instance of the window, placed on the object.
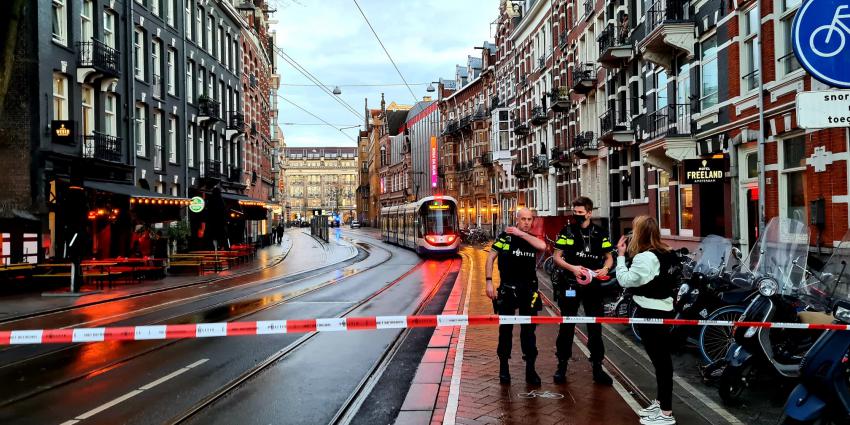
(686, 210)
(190, 145)
(188, 21)
(227, 53)
(60, 22)
(788, 60)
(172, 140)
(141, 137)
(157, 139)
(109, 29)
(793, 175)
(86, 26)
(172, 72)
(190, 82)
(665, 215)
(199, 26)
(201, 151)
(87, 98)
(752, 165)
(169, 12)
(661, 99)
(60, 97)
(139, 53)
(110, 123)
(200, 81)
(155, 6)
(708, 73)
(683, 85)
(504, 131)
(218, 44)
(211, 85)
(749, 50)
(209, 44)
(156, 67)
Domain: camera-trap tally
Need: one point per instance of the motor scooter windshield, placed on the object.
(712, 256)
(781, 254)
(832, 283)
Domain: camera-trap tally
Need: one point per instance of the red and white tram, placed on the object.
(428, 226)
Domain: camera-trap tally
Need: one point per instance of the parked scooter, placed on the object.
(708, 294)
(823, 395)
(778, 266)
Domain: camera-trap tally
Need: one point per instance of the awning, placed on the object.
(235, 196)
(138, 195)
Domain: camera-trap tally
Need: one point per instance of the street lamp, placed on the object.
(430, 88)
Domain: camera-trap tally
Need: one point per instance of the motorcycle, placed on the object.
(708, 294)
(823, 394)
(777, 266)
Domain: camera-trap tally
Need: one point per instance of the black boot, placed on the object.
(560, 376)
(504, 372)
(599, 375)
(531, 376)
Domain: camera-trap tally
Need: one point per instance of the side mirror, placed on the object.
(737, 253)
(842, 311)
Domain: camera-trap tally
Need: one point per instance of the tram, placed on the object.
(428, 226)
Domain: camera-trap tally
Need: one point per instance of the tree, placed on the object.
(10, 22)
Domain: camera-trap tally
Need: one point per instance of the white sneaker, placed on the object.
(661, 419)
(650, 411)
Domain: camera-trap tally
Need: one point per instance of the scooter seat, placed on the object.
(815, 317)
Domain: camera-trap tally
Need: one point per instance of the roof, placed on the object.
(395, 120)
(417, 108)
(448, 84)
(461, 71)
(474, 62)
(491, 47)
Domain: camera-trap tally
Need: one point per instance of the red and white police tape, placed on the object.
(270, 327)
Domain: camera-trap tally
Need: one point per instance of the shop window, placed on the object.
(686, 211)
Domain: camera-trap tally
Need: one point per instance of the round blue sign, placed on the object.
(821, 39)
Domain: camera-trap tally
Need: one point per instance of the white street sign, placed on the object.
(823, 109)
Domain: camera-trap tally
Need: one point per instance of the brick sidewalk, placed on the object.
(481, 399)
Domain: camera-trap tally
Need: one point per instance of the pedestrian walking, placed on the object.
(516, 251)
(584, 251)
(652, 277)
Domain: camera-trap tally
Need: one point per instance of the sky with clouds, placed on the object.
(331, 40)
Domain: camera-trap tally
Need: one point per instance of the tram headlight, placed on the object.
(768, 287)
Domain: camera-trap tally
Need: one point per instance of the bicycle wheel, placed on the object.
(830, 48)
(632, 312)
(714, 341)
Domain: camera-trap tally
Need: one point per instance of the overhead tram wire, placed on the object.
(318, 118)
(301, 69)
(415, 99)
(356, 85)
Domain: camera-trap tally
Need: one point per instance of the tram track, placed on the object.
(361, 390)
(124, 360)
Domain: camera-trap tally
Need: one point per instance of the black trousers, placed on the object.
(657, 341)
(591, 297)
(508, 303)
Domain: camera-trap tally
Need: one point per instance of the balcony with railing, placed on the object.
(615, 48)
(520, 128)
(212, 169)
(561, 99)
(98, 57)
(208, 109)
(235, 124)
(480, 114)
(560, 158)
(487, 159)
(102, 147)
(562, 40)
(538, 115)
(616, 126)
(670, 121)
(465, 123)
(540, 164)
(541, 62)
(585, 145)
(451, 127)
(588, 8)
(583, 77)
(520, 171)
(669, 33)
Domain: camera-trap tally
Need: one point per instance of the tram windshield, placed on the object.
(439, 217)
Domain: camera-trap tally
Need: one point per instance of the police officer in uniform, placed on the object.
(582, 249)
(516, 251)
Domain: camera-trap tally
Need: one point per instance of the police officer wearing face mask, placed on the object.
(516, 251)
(582, 250)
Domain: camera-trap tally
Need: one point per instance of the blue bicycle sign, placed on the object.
(819, 36)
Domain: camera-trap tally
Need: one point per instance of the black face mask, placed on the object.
(580, 219)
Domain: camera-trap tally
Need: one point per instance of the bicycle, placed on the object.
(836, 26)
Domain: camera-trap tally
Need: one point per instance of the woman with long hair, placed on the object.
(649, 274)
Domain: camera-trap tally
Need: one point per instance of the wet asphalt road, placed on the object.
(155, 382)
